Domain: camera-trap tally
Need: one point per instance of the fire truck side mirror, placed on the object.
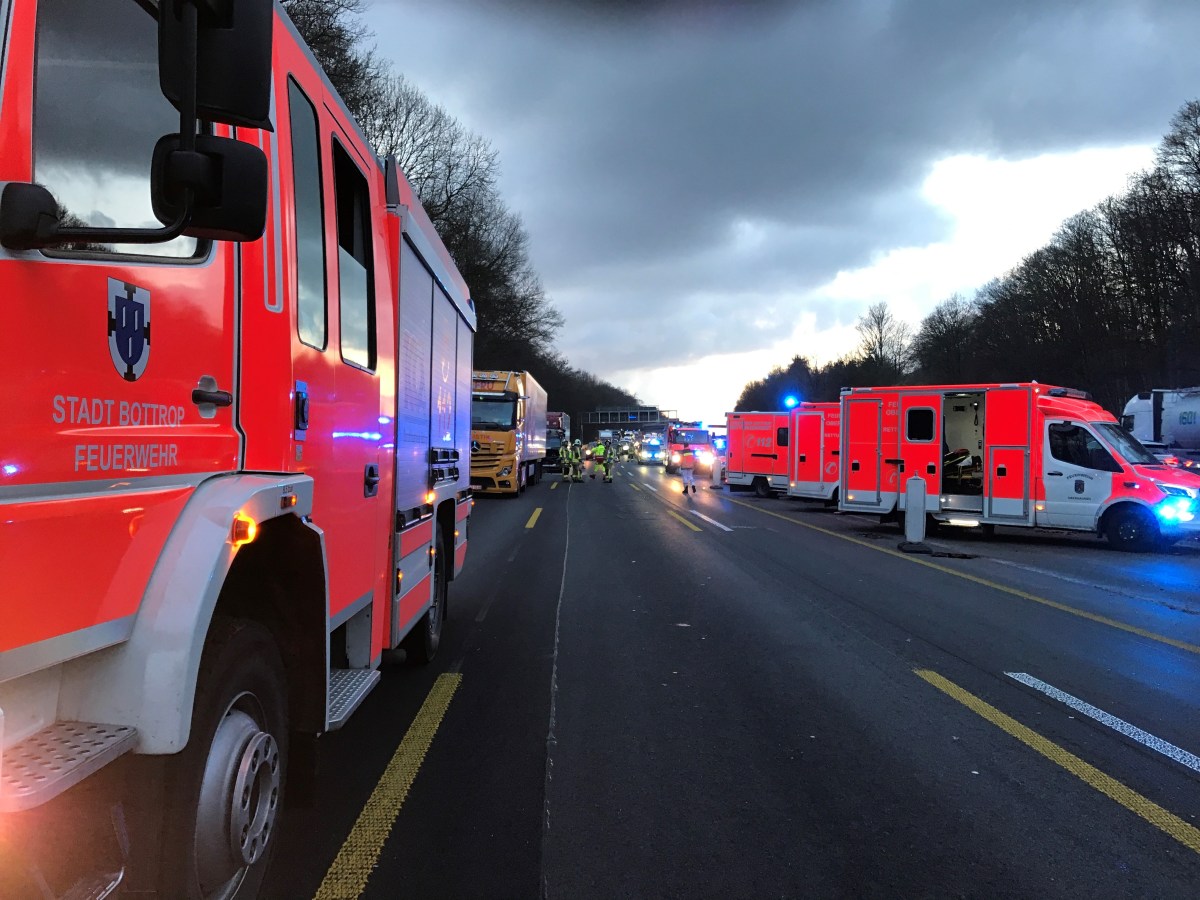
(230, 59)
(228, 184)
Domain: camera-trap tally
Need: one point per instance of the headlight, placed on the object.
(1175, 490)
(1176, 509)
(507, 470)
(675, 457)
(706, 457)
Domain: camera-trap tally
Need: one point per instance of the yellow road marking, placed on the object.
(553, 485)
(347, 877)
(533, 519)
(1160, 818)
(679, 518)
(635, 487)
(996, 586)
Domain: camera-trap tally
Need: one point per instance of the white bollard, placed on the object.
(914, 510)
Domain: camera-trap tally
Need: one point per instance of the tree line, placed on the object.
(1110, 305)
(455, 173)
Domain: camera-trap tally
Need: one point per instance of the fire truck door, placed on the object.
(121, 393)
(920, 445)
(1007, 480)
(862, 432)
(336, 353)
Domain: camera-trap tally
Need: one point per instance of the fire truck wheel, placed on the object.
(225, 790)
(1132, 529)
(761, 488)
(422, 642)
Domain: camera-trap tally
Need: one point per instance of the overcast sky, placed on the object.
(711, 187)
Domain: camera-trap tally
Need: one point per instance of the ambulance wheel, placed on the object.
(761, 488)
(422, 642)
(225, 790)
(1132, 529)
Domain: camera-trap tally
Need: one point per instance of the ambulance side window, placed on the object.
(356, 305)
(311, 316)
(1077, 446)
(97, 113)
(781, 436)
(918, 425)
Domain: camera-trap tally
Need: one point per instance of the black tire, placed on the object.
(1132, 530)
(421, 644)
(237, 749)
(761, 488)
(987, 531)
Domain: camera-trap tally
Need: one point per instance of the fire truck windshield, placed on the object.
(690, 436)
(1129, 447)
(493, 412)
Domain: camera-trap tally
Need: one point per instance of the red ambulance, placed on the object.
(234, 461)
(815, 433)
(1011, 454)
(757, 451)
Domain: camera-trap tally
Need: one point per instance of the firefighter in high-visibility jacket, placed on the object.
(577, 460)
(607, 460)
(599, 457)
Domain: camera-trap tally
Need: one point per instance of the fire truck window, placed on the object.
(311, 315)
(918, 425)
(355, 304)
(781, 436)
(97, 115)
(1077, 446)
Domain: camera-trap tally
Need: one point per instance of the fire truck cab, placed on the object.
(234, 461)
(1024, 454)
(813, 471)
(691, 435)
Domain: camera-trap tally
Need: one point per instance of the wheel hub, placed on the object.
(239, 800)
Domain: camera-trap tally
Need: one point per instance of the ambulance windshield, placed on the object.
(1127, 446)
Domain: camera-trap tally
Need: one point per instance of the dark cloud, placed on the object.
(713, 156)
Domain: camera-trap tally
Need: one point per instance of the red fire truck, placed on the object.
(234, 463)
(813, 471)
(689, 434)
(757, 453)
(1011, 454)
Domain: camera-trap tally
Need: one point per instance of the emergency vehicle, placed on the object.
(757, 451)
(813, 469)
(1010, 454)
(688, 434)
(233, 462)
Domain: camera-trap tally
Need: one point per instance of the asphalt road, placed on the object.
(713, 695)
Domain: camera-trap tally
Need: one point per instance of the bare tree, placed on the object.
(884, 342)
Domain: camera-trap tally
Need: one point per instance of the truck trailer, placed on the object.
(1170, 417)
(508, 431)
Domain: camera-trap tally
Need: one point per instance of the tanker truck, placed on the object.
(1170, 417)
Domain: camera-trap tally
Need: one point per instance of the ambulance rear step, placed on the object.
(347, 689)
(46, 763)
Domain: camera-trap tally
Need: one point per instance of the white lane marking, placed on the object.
(652, 487)
(1132, 731)
(551, 734)
(696, 512)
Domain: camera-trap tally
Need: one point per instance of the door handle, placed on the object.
(371, 480)
(931, 468)
(216, 398)
(802, 457)
(1059, 474)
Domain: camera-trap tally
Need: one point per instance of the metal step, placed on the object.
(59, 756)
(347, 689)
(96, 887)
